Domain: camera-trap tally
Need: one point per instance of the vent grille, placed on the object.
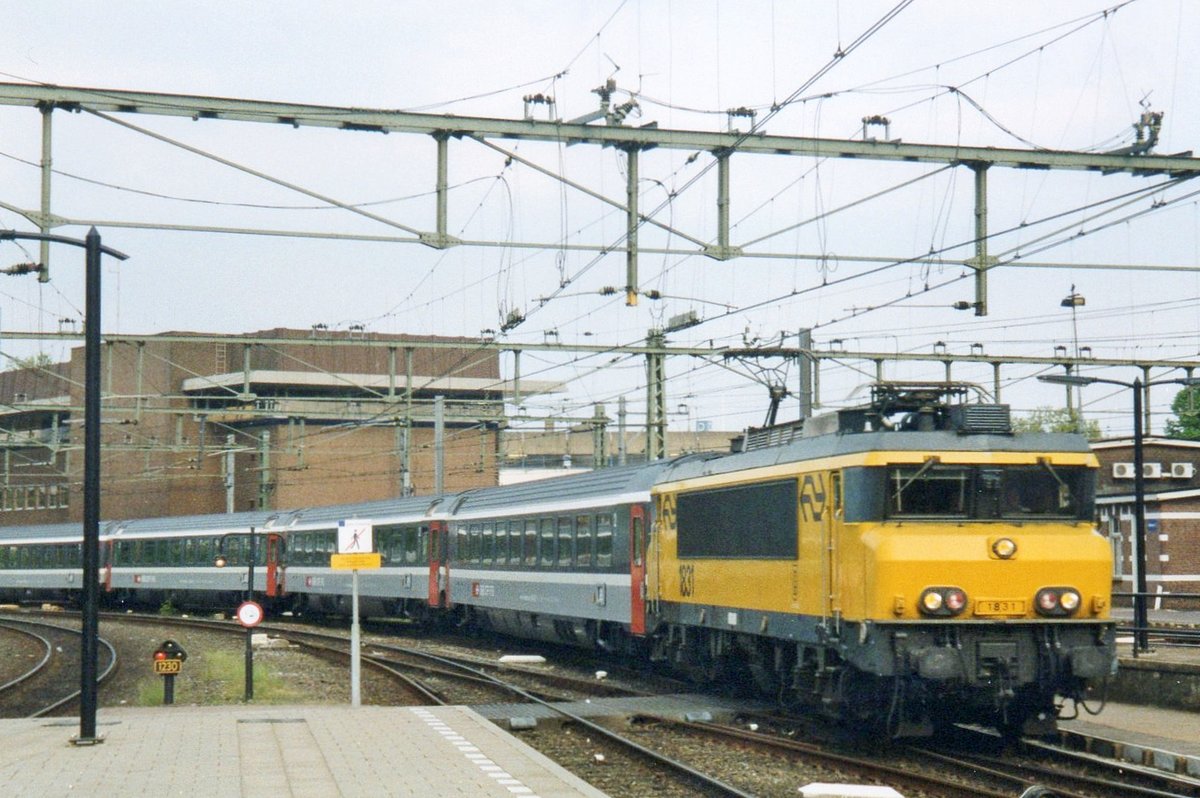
(981, 419)
(778, 435)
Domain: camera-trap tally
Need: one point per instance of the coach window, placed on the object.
(546, 527)
(583, 541)
(410, 544)
(530, 545)
(476, 543)
(398, 543)
(489, 543)
(514, 542)
(566, 541)
(604, 540)
(423, 544)
(461, 546)
(501, 555)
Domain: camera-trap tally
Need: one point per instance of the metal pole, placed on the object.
(91, 494)
(631, 228)
(805, 362)
(439, 445)
(229, 476)
(1141, 633)
(355, 645)
(47, 172)
(250, 629)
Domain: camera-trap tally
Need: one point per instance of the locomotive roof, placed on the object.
(837, 444)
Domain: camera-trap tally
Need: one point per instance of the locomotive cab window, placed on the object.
(1012, 493)
(928, 489)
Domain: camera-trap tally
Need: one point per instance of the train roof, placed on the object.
(49, 533)
(213, 524)
(602, 486)
(408, 509)
(837, 444)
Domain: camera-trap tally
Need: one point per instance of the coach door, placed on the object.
(439, 564)
(637, 569)
(274, 572)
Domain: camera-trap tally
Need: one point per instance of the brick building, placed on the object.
(194, 423)
(1172, 510)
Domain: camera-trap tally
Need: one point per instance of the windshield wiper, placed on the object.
(930, 462)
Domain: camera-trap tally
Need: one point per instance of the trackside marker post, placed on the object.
(168, 663)
(355, 551)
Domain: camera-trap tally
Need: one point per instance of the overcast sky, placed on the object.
(1057, 75)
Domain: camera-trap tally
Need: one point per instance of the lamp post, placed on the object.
(220, 561)
(91, 466)
(1141, 623)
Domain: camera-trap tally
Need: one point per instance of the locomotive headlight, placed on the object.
(1004, 548)
(1047, 600)
(943, 601)
(1057, 600)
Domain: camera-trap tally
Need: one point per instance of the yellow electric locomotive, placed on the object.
(906, 564)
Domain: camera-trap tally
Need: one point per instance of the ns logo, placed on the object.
(812, 497)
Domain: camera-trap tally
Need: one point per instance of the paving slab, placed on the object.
(316, 751)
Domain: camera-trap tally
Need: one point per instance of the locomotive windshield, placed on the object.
(970, 492)
(987, 492)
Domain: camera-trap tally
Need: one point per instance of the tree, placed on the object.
(1186, 407)
(38, 361)
(1057, 419)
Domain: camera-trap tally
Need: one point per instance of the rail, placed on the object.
(1167, 634)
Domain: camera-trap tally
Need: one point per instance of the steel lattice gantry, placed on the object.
(109, 104)
(631, 140)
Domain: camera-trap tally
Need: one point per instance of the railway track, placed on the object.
(470, 671)
(441, 677)
(41, 690)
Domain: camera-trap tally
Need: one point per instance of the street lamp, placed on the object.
(1141, 623)
(91, 468)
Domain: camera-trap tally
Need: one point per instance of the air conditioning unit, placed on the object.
(1152, 470)
(1182, 470)
(1122, 470)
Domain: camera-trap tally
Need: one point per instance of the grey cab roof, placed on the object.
(836, 444)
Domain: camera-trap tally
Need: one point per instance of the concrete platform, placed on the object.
(316, 751)
(1166, 739)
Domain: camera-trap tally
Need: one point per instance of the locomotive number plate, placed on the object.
(1000, 606)
(166, 667)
